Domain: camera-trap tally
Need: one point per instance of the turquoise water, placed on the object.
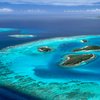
(38, 74)
(27, 60)
(6, 29)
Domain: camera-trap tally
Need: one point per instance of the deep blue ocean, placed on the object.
(46, 28)
(42, 29)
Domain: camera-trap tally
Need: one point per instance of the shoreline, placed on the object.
(78, 64)
(49, 39)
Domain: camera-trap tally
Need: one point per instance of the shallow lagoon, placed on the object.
(24, 67)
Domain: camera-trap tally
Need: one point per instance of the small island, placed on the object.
(75, 60)
(87, 48)
(84, 41)
(22, 36)
(44, 49)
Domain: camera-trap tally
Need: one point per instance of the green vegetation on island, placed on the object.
(87, 48)
(84, 41)
(73, 60)
(44, 49)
